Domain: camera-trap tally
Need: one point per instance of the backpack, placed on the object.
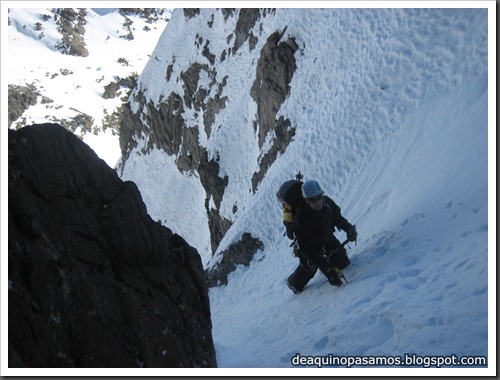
(290, 196)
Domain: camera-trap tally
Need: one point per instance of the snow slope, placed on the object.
(391, 109)
(411, 171)
(419, 277)
(34, 60)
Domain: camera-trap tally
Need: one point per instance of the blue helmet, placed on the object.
(311, 189)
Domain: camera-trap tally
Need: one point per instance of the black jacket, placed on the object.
(314, 229)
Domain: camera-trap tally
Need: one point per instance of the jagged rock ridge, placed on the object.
(93, 280)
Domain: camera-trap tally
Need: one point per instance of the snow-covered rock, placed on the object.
(78, 65)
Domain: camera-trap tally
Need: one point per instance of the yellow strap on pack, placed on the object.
(287, 213)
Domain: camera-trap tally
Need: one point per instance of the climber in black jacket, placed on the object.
(314, 225)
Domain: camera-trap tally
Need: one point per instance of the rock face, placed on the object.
(93, 280)
(239, 253)
(20, 99)
(71, 24)
(169, 124)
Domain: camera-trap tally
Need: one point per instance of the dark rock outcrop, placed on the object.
(270, 89)
(23, 97)
(71, 23)
(151, 15)
(93, 280)
(20, 99)
(239, 253)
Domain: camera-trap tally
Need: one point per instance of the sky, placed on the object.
(394, 115)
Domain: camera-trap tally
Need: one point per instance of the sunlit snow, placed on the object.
(77, 83)
(391, 111)
(391, 108)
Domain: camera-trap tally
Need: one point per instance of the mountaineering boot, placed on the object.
(301, 276)
(292, 288)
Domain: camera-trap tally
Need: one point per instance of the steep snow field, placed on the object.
(391, 110)
(419, 278)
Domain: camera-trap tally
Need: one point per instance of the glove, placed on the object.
(352, 234)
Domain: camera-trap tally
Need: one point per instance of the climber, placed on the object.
(314, 224)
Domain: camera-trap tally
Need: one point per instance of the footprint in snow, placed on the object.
(321, 344)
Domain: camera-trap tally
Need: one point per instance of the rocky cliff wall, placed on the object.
(178, 100)
(93, 280)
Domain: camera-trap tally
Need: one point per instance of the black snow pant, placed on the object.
(302, 275)
(307, 269)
